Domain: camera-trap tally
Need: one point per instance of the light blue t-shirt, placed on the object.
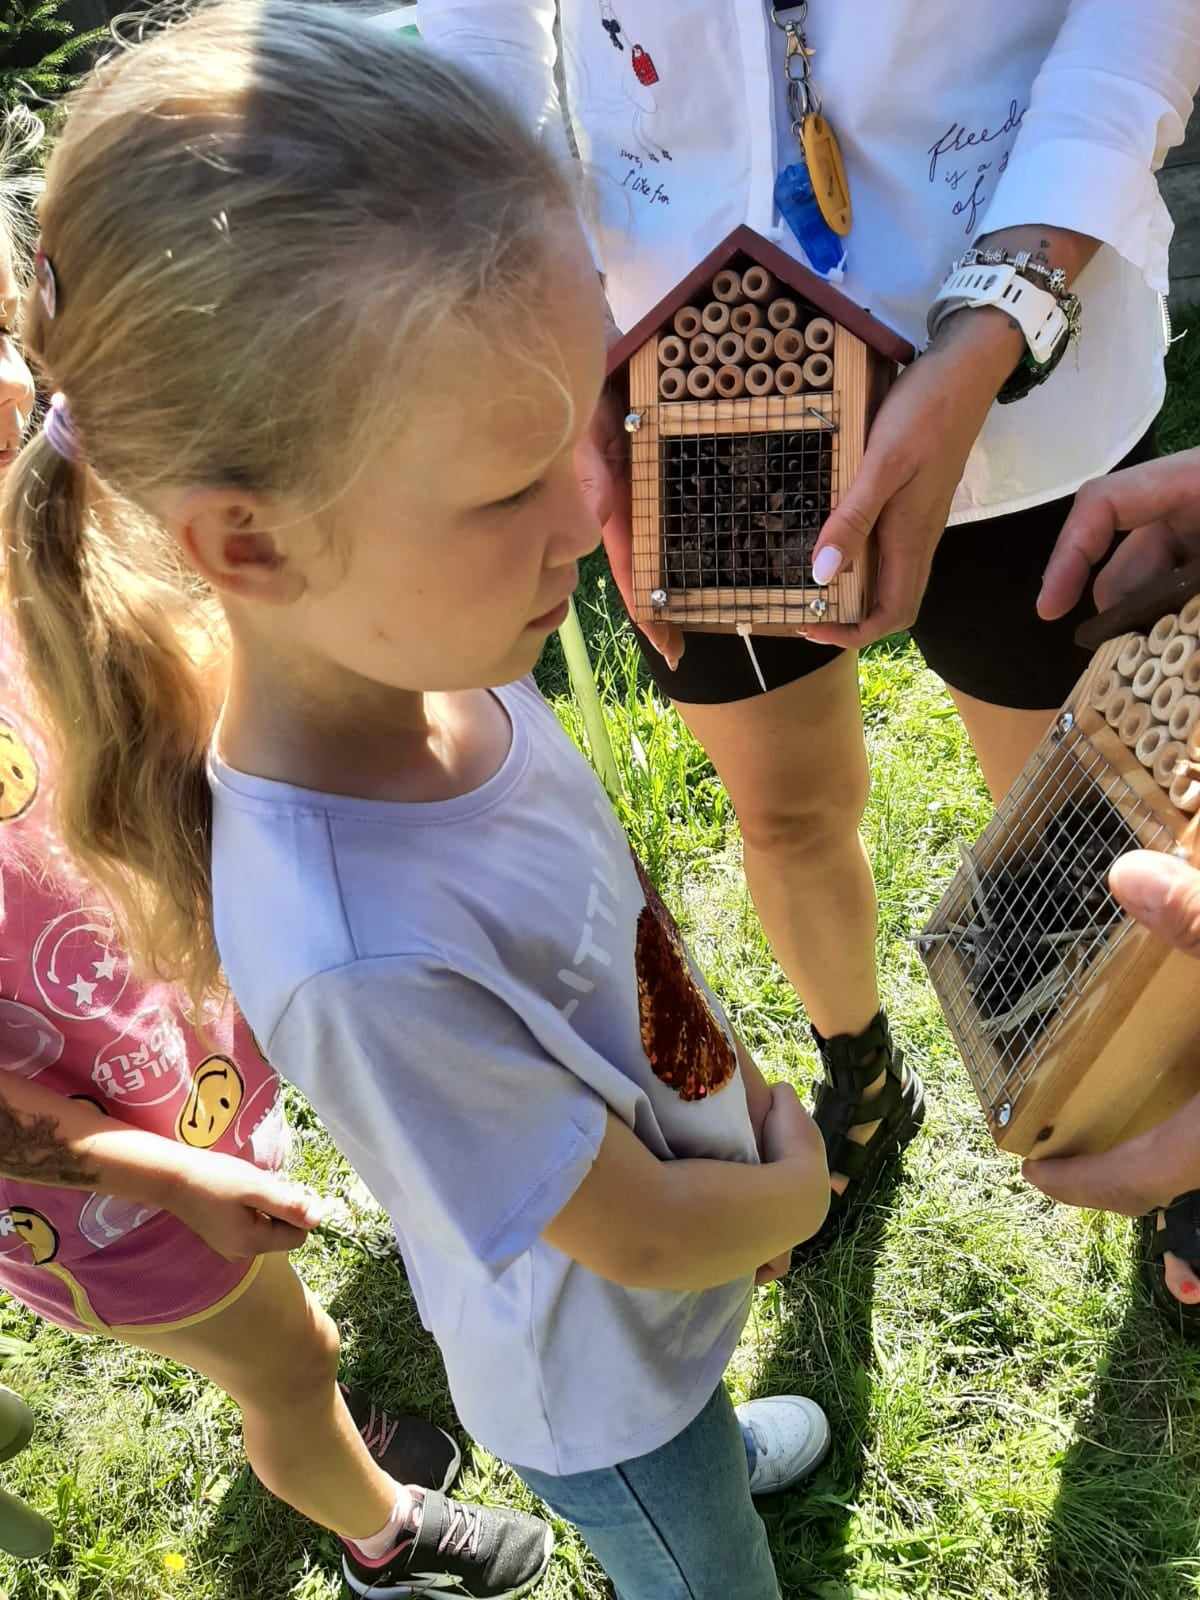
(464, 989)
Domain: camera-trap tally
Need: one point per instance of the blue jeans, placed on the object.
(678, 1524)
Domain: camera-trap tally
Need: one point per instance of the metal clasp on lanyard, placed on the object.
(803, 98)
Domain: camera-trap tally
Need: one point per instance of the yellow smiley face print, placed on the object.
(18, 774)
(40, 1235)
(214, 1101)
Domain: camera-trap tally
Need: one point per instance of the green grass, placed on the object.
(1012, 1420)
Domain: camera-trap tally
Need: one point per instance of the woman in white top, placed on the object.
(1034, 126)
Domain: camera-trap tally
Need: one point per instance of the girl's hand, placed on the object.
(914, 460)
(788, 1133)
(602, 467)
(237, 1209)
(1158, 500)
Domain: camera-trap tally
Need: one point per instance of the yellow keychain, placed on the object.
(827, 170)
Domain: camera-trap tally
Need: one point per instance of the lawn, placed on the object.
(1011, 1419)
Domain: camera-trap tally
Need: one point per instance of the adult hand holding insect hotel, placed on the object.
(1159, 502)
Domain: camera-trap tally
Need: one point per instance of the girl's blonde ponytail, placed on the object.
(106, 644)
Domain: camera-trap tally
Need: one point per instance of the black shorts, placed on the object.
(978, 626)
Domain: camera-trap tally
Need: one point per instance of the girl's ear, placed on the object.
(227, 536)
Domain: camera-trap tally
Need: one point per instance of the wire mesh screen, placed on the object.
(739, 491)
(1028, 923)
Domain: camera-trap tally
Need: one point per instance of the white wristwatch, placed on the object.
(1036, 311)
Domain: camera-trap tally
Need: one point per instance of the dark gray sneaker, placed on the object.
(408, 1448)
(456, 1549)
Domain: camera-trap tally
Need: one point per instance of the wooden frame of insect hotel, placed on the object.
(1077, 1026)
(750, 390)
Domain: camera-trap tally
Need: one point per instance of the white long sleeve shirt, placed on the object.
(956, 118)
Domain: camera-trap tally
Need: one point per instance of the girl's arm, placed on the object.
(238, 1209)
(693, 1224)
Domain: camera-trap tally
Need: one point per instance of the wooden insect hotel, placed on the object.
(751, 388)
(1077, 1026)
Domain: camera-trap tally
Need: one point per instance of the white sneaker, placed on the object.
(791, 1437)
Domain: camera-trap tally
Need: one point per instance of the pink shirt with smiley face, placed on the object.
(73, 1018)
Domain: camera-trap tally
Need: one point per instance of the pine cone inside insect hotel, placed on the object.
(744, 509)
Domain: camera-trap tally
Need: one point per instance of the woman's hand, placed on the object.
(1158, 500)
(602, 467)
(915, 457)
(235, 1207)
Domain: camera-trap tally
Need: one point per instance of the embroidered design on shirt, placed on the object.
(215, 1100)
(684, 1043)
(18, 774)
(22, 1225)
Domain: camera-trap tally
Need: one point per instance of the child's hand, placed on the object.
(239, 1210)
(790, 1135)
(788, 1130)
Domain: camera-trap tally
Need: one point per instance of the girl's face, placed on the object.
(460, 544)
(16, 384)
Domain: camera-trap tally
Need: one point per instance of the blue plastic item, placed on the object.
(798, 206)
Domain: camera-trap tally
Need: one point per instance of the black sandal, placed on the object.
(852, 1062)
(1181, 1237)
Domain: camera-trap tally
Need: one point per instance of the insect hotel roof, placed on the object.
(751, 388)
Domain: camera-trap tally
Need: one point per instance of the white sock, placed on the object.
(400, 1527)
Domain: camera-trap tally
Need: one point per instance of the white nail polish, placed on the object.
(827, 565)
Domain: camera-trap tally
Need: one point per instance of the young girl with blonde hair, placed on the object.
(325, 334)
(141, 1190)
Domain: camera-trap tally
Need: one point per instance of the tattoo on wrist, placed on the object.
(30, 1147)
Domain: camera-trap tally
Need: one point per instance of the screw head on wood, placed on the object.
(658, 598)
(633, 421)
(925, 946)
(1003, 1114)
(818, 607)
(1064, 725)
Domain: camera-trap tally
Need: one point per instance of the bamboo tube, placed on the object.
(1168, 763)
(1189, 617)
(1104, 688)
(759, 345)
(1148, 746)
(703, 350)
(1118, 705)
(789, 377)
(818, 371)
(731, 350)
(672, 383)
(783, 313)
(818, 335)
(1177, 655)
(727, 286)
(687, 322)
(731, 382)
(1133, 653)
(701, 381)
(1185, 793)
(743, 318)
(789, 345)
(1191, 675)
(1147, 678)
(1184, 718)
(1137, 720)
(715, 317)
(758, 284)
(1161, 634)
(1166, 697)
(672, 352)
(759, 378)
